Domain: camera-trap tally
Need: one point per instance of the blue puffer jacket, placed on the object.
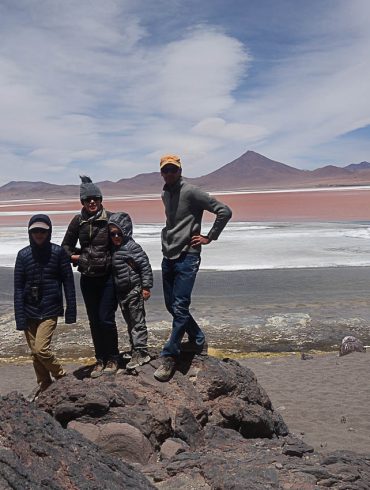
(39, 274)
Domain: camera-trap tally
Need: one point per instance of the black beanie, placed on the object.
(88, 188)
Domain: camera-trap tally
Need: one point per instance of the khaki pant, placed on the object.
(39, 334)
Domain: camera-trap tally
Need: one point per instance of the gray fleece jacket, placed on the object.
(184, 206)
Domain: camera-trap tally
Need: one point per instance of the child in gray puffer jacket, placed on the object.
(133, 280)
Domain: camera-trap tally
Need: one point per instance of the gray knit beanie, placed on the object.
(88, 188)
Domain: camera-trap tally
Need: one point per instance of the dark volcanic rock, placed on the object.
(296, 447)
(203, 391)
(212, 426)
(36, 452)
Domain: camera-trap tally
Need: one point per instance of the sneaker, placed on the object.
(111, 367)
(97, 369)
(139, 357)
(194, 348)
(166, 369)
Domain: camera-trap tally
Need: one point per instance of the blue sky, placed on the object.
(106, 88)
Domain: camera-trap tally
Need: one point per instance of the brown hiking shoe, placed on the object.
(166, 369)
(38, 390)
(111, 367)
(31, 397)
(97, 369)
(139, 357)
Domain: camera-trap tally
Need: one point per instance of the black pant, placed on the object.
(101, 304)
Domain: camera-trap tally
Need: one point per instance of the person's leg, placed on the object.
(107, 311)
(42, 374)
(136, 320)
(91, 289)
(42, 351)
(126, 316)
(184, 271)
(168, 279)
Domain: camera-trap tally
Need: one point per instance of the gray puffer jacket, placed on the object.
(130, 264)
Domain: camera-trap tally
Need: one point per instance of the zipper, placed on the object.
(90, 246)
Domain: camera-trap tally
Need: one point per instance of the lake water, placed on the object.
(262, 287)
(245, 246)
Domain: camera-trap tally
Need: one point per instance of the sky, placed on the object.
(104, 88)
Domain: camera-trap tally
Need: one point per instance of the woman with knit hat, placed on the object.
(93, 259)
(40, 271)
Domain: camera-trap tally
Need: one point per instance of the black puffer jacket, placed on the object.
(44, 269)
(130, 264)
(94, 251)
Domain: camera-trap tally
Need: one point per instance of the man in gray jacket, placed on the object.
(181, 246)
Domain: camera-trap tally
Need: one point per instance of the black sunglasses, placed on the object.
(92, 198)
(39, 230)
(169, 169)
(115, 234)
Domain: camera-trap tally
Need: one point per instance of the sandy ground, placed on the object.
(324, 400)
(320, 205)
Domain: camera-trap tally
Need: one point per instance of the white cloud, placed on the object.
(219, 128)
(198, 74)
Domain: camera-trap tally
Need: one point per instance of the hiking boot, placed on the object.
(166, 369)
(139, 357)
(111, 367)
(193, 348)
(33, 396)
(97, 369)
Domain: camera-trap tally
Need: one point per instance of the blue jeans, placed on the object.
(178, 278)
(101, 304)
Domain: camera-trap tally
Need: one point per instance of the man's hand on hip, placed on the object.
(197, 240)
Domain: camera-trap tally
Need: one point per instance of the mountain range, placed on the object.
(250, 171)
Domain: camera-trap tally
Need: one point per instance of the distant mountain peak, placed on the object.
(358, 166)
(249, 171)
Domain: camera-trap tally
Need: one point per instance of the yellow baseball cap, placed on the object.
(170, 160)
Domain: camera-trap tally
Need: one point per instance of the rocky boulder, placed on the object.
(36, 452)
(212, 426)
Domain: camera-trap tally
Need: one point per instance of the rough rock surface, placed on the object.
(36, 452)
(210, 427)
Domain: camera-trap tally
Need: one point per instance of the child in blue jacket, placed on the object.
(41, 269)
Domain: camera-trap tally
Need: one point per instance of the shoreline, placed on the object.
(254, 312)
(217, 353)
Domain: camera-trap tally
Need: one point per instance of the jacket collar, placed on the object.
(172, 188)
(101, 216)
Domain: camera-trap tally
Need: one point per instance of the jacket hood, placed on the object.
(43, 218)
(123, 222)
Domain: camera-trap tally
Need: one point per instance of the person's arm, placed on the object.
(223, 214)
(19, 282)
(145, 270)
(69, 287)
(70, 240)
